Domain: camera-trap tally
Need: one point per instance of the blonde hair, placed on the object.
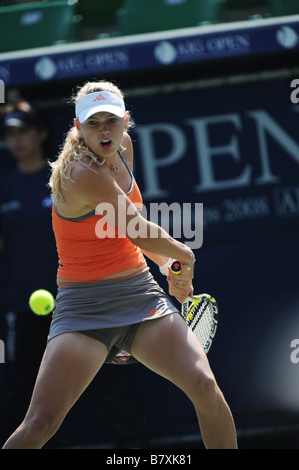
(74, 147)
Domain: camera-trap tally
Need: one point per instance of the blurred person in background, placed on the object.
(29, 255)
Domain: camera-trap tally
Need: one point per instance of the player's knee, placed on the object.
(40, 427)
(206, 391)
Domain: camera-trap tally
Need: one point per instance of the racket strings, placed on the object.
(201, 319)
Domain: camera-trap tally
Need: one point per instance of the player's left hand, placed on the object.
(179, 288)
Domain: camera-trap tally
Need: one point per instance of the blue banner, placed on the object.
(233, 148)
(151, 51)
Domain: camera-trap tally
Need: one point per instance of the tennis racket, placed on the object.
(200, 312)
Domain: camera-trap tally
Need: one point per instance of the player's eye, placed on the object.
(92, 123)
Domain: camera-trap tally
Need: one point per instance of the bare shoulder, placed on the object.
(90, 184)
(87, 174)
(85, 170)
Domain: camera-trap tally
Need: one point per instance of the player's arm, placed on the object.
(98, 190)
(129, 153)
(158, 259)
(127, 142)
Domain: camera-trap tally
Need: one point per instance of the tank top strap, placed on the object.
(123, 158)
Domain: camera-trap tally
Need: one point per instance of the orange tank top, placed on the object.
(83, 255)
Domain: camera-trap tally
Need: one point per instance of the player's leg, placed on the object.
(70, 362)
(168, 347)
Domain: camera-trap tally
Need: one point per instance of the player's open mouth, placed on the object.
(106, 142)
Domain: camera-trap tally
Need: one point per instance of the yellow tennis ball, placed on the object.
(41, 302)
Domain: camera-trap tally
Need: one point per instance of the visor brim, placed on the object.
(109, 108)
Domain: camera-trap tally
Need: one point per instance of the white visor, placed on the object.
(99, 102)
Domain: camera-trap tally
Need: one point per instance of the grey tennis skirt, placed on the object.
(110, 311)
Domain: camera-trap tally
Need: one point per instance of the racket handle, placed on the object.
(176, 267)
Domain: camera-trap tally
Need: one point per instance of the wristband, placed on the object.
(164, 267)
(188, 266)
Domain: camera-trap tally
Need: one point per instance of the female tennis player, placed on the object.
(108, 307)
